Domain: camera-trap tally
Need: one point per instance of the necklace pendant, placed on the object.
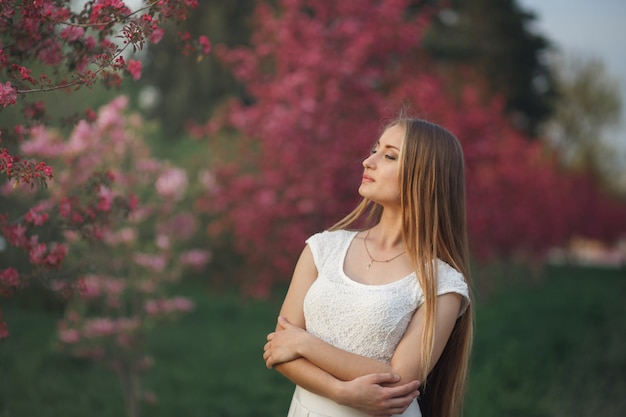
(369, 265)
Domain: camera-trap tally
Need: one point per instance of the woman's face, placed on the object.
(380, 181)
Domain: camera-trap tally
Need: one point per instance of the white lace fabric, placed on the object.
(368, 320)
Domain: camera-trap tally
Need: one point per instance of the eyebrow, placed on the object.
(388, 146)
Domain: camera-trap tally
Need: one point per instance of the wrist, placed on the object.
(339, 392)
(303, 347)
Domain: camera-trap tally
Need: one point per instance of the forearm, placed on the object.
(370, 394)
(312, 378)
(341, 364)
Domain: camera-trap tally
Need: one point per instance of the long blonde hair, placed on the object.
(432, 195)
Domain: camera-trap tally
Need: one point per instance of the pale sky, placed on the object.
(594, 28)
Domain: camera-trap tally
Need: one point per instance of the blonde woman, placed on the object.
(371, 313)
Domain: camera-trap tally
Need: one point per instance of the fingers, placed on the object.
(384, 378)
(399, 404)
(403, 390)
(267, 357)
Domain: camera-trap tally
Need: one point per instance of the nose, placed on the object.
(369, 161)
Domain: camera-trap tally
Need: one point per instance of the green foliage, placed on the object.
(495, 39)
(190, 88)
(556, 348)
(587, 112)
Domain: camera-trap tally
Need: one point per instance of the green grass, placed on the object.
(554, 348)
(557, 348)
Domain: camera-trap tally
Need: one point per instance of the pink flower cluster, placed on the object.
(41, 254)
(24, 171)
(168, 306)
(155, 263)
(196, 259)
(282, 190)
(8, 94)
(94, 286)
(9, 281)
(73, 331)
(50, 33)
(172, 183)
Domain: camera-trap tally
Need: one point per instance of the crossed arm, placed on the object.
(371, 386)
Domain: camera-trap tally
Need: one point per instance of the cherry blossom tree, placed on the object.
(126, 266)
(49, 45)
(322, 77)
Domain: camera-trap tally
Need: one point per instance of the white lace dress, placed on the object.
(368, 320)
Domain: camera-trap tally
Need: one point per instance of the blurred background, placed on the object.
(234, 158)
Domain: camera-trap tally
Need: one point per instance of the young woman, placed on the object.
(371, 312)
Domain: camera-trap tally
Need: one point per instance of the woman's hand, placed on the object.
(282, 345)
(370, 394)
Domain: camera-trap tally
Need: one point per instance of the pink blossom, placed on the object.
(8, 94)
(105, 199)
(33, 216)
(65, 207)
(196, 259)
(168, 306)
(4, 331)
(72, 33)
(113, 286)
(56, 255)
(206, 45)
(163, 242)
(9, 279)
(25, 74)
(183, 304)
(156, 263)
(181, 226)
(148, 165)
(58, 285)
(125, 235)
(151, 307)
(16, 235)
(80, 139)
(50, 52)
(43, 143)
(134, 68)
(90, 286)
(172, 183)
(110, 116)
(208, 180)
(99, 327)
(37, 252)
(69, 336)
(157, 35)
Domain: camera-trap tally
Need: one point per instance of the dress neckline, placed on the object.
(342, 264)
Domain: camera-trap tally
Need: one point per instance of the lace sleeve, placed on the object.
(315, 246)
(451, 280)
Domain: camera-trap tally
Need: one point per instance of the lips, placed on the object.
(367, 178)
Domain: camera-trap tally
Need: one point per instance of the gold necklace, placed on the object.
(372, 260)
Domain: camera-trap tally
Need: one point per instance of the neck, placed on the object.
(388, 232)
